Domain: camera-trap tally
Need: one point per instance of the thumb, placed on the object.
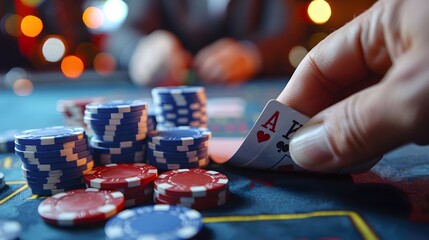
(364, 126)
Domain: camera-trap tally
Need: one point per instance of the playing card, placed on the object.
(267, 144)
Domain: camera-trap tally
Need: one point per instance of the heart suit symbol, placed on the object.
(262, 137)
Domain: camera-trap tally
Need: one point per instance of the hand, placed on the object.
(366, 86)
(159, 59)
(227, 60)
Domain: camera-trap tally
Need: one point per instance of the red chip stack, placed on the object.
(134, 180)
(199, 189)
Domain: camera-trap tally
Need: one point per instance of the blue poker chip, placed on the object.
(50, 160)
(178, 90)
(134, 137)
(55, 147)
(118, 106)
(121, 127)
(50, 135)
(57, 166)
(184, 160)
(53, 153)
(169, 148)
(10, 229)
(56, 173)
(95, 142)
(174, 106)
(175, 154)
(56, 186)
(179, 136)
(117, 150)
(117, 161)
(160, 222)
(7, 141)
(135, 156)
(116, 115)
(100, 121)
(120, 132)
(172, 166)
(53, 179)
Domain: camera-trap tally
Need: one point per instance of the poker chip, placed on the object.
(179, 136)
(54, 159)
(118, 106)
(81, 206)
(73, 110)
(119, 129)
(2, 180)
(201, 163)
(50, 136)
(135, 180)
(154, 222)
(10, 229)
(188, 148)
(180, 106)
(54, 147)
(7, 141)
(172, 154)
(123, 175)
(190, 182)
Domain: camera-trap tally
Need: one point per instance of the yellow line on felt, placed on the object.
(13, 194)
(363, 228)
(7, 162)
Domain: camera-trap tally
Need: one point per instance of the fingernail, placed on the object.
(309, 148)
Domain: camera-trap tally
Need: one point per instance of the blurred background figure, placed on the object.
(219, 40)
(161, 42)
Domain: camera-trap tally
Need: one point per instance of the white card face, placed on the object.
(267, 144)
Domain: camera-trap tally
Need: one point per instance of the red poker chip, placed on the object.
(122, 175)
(81, 206)
(196, 206)
(190, 182)
(136, 190)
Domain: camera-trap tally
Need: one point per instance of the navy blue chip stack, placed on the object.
(178, 147)
(119, 130)
(54, 159)
(180, 106)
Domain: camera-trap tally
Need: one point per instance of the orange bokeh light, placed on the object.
(104, 63)
(31, 26)
(93, 17)
(72, 66)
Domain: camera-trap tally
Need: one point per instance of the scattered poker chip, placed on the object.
(154, 222)
(188, 148)
(119, 106)
(54, 147)
(122, 175)
(50, 136)
(190, 182)
(179, 136)
(95, 206)
(2, 180)
(53, 153)
(7, 141)
(10, 229)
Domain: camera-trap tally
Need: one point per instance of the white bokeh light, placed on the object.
(53, 49)
(115, 10)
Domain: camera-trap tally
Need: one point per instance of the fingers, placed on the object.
(352, 58)
(369, 123)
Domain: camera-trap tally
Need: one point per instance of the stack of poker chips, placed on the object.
(195, 188)
(178, 147)
(73, 110)
(54, 159)
(81, 207)
(180, 106)
(155, 222)
(119, 129)
(134, 180)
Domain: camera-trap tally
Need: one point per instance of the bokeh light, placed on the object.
(104, 63)
(11, 24)
(53, 49)
(319, 11)
(32, 3)
(115, 10)
(93, 17)
(72, 66)
(22, 87)
(14, 75)
(296, 55)
(31, 26)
